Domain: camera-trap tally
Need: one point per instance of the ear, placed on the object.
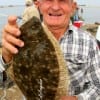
(74, 7)
(36, 3)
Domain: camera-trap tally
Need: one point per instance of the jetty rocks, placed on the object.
(92, 28)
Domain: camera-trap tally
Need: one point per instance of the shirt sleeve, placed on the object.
(93, 75)
(3, 65)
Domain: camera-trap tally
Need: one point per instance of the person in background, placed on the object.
(81, 11)
(75, 15)
(30, 11)
(79, 48)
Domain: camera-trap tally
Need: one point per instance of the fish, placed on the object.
(39, 68)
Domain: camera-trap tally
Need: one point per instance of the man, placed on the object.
(79, 48)
(30, 11)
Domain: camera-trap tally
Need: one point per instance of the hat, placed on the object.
(29, 2)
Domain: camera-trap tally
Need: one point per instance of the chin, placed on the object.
(53, 23)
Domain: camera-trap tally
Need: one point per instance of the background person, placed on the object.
(75, 15)
(30, 11)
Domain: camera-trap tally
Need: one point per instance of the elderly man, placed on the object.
(79, 48)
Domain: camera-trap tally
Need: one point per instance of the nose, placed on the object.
(55, 5)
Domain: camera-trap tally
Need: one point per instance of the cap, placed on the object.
(29, 2)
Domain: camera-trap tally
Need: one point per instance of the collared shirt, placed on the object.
(83, 61)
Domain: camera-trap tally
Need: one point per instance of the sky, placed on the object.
(12, 2)
(22, 2)
(89, 2)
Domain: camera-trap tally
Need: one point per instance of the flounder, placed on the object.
(39, 68)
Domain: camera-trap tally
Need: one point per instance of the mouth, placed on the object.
(50, 14)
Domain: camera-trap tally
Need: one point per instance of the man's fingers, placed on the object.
(11, 30)
(13, 40)
(10, 40)
(9, 48)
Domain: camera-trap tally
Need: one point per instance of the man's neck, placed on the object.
(58, 32)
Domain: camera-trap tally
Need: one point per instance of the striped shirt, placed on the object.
(83, 61)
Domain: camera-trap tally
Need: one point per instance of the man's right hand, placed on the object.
(10, 39)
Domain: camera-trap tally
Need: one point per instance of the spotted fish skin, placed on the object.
(36, 66)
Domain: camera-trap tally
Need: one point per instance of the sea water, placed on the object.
(89, 14)
(7, 11)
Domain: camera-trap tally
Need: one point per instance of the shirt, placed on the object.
(1, 70)
(83, 61)
(3, 67)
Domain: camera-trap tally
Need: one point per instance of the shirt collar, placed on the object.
(71, 29)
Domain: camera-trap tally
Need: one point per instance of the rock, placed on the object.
(39, 68)
(97, 23)
(92, 28)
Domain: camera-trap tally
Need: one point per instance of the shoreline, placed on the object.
(7, 6)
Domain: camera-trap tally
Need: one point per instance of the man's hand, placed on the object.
(10, 39)
(69, 98)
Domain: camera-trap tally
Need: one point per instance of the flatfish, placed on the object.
(39, 68)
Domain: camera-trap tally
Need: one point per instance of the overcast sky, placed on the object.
(21, 2)
(89, 2)
(12, 2)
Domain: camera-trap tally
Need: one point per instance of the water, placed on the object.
(5, 12)
(90, 14)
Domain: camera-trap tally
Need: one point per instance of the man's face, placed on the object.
(56, 12)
